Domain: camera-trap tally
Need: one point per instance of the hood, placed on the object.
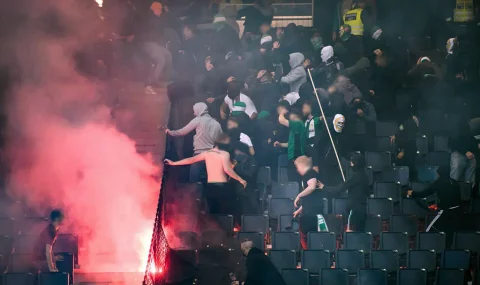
(326, 53)
(291, 97)
(200, 109)
(296, 59)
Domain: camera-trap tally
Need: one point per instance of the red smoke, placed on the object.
(65, 151)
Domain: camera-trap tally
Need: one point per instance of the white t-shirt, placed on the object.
(250, 107)
(245, 139)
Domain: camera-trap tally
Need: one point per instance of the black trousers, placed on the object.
(357, 220)
(307, 223)
(450, 221)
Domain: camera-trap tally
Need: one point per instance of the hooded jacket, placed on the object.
(260, 269)
(297, 75)
(357, 186)
(207, 129)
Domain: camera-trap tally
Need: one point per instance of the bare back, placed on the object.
(215, 160)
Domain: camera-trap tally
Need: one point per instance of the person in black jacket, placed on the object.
(462, 161)
(260, 269)
(358, 190)
(450, 217)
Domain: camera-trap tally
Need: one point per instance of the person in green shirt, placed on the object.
(296, 140)
(313, 126)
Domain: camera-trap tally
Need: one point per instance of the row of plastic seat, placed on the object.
(55, 278)
(366, 276)
(388, 260)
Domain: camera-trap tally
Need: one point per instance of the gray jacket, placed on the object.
(297, 75)
(207, 129)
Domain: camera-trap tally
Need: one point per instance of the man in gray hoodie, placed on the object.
(297, 75)
(207, 130)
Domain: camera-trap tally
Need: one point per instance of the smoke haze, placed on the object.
(63, 147)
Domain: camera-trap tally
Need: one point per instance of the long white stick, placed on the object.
(326, 125)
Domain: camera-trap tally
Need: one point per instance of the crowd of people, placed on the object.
(286, 91)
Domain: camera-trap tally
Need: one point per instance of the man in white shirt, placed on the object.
(234, 95)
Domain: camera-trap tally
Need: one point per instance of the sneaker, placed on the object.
(149, 90)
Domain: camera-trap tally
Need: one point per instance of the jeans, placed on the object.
(162, 59)
(462, 168)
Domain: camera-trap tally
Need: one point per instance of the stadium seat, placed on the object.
(450, 277)
(258, 238)
(382, 144)
(280, 206)
(440, 143)
(384, 259)
(31, 226)
(387, 190)
(339, 206)
(315, 260)
(67, 265)
(53, 278)
(283, 259)
(6, 245)
(412, 207)
(422, 144)
(372, 276)
(288, 190)
(467, 240)
(212, 238)
(67, 243)
(19, 279)
(373, 225)
(358, 241)
(213, 256)
(438, 158)
(24, 244)
(264, 176)
(7, 227)
(20, 263)
(386, 129)
(378, 160)
(399, 174)
(351, 260)
(286, 240)
(426, 259)
(189, 239)
(426, 173)
(411, 277)
(335, 223)
(431, 241)
(403, 223)
(285, 223)
(224, 222)
(255, 223)
(452, 259)
(380, 206)
(295, 276)
(335, 276)
(394, 241)
(322, 241)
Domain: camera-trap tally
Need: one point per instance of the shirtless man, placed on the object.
(220, 197)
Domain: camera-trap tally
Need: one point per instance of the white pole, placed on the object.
(326, 124)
